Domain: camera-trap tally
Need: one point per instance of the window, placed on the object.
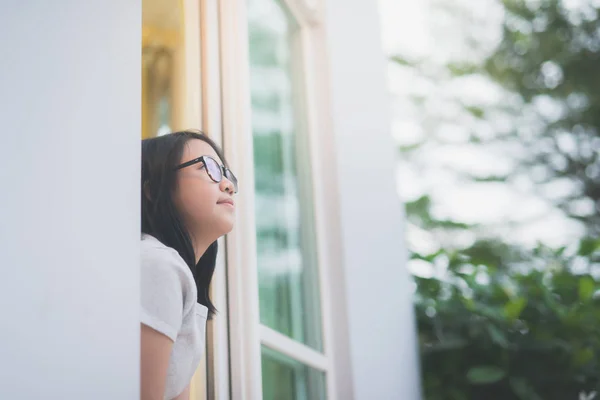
(288, 285)
(292, 358)
(293, 379)
(244, 64)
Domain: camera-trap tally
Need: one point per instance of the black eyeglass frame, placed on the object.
(225, 172)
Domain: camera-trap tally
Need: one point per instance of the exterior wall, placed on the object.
(69, 199)
(69, 209)
(382, 339)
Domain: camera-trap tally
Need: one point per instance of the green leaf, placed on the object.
(513, 309)
(449, 224)
(588, 246)
(461, 69)
(497, 335)
(586, 288)
(523, 389)
(477, 112)
(491, 312)
(404, 61)
(583, 356)
(427, 257)
(485, 374)
(420, 206)
(410, 147)
(560, 251)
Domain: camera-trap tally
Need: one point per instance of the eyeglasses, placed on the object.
(213, 169)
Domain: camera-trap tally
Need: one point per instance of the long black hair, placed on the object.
(160, 218)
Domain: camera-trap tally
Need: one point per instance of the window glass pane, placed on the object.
(288, 283)
(285, 378)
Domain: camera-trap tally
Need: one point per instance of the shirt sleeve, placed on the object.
(162, 290)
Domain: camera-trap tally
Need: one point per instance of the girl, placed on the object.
(187, 204)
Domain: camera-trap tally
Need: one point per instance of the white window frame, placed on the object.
(193, 116)
(235, 336)
(217, 360)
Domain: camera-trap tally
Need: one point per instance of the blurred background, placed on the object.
(496, 119)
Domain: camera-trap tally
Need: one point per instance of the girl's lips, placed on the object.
(227, 202)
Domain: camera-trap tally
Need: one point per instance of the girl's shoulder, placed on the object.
(165, 263)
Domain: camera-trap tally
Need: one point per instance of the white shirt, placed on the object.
(169, 306)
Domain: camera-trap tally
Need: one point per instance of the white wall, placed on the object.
(69, 209)
(382, 339)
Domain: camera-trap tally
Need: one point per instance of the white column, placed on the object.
(382, 339)
(69, 199)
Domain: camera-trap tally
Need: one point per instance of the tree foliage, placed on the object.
(498, 320)
(491, 329)
(550, 52)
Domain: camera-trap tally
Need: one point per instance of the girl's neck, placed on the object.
(200, 245)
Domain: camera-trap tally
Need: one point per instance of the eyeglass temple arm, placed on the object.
(191, 162)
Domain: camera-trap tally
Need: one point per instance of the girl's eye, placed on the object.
(202, 166)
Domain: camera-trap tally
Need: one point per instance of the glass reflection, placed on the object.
(288, 283)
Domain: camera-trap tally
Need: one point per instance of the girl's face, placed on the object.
(207, 207)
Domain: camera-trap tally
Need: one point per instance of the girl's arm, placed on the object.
(155, 353)
(185, 395)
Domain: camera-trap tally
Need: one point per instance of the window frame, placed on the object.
(236, 335)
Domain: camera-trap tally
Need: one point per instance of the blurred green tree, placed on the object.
(497, 320)
(550, 53)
